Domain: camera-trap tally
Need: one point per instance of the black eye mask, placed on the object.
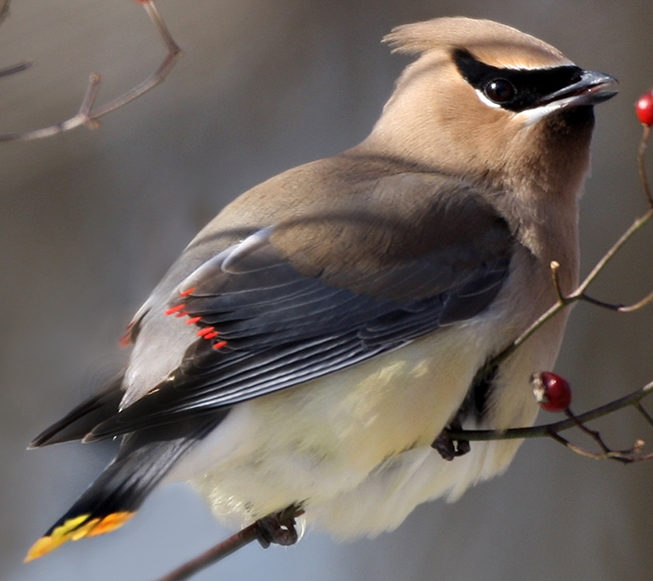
(514, 89)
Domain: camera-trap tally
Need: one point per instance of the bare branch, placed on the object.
(618, 307)
(623, 456)
(555, 273)
(636, 306)
(640, 164)
(156, 78)
(641, 410)
(600, 265)
(543, 430)
(17, 68)
(553, 430)
(82, 117)
(214, 554)
(4, 11)
(88, 116)
(579, 293)
(278, 528)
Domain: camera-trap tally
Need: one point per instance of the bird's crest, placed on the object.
(493, 43)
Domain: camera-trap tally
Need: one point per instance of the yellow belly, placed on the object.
(325, 438)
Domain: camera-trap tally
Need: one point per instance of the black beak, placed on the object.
(592, 88)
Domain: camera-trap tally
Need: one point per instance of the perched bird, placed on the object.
(313, 342)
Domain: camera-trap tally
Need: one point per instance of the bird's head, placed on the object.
(485, 100)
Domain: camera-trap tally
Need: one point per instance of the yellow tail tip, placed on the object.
(76, 528)
(41, 547)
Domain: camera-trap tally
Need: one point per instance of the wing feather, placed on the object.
(274, 324)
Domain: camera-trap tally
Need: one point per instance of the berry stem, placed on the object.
(640, 163)
(541, 431)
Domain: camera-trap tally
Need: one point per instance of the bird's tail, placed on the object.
(142, 461)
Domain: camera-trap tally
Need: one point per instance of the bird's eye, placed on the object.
(499, 90)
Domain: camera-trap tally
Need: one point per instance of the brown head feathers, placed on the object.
(488, 41)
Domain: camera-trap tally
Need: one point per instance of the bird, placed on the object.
(314, 342)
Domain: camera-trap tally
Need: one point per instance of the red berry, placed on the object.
(551, 391)
(644, 108)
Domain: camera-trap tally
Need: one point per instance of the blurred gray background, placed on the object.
(89, 221)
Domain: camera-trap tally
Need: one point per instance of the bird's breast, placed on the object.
(315, 441)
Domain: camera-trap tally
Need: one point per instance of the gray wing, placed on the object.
(265, 325)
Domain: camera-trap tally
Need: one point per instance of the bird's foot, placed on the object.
(279, 528)
(448, 448)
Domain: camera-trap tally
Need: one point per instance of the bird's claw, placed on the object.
(448, 448)
(278, 528)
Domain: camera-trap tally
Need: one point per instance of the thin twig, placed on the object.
(156, 78)
(542, 431)
(639, 222)
(594, 434)
(214, 554)
(618, 307)
(641, 410)
(4, 11)
(579, 294)
(600, 265)
(640, 164)
(603, 304)
(553, 431)
(88, 116)
(278, 528)
(634, 307)
(555, 274)
(623, 456)
(17, 68)
(82, 117)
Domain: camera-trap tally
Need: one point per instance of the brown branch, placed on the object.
(623, 456)
(600, 265)
(594, 434)
(88, 116)
(541, 431)
(156, 78)
(4, 11)
(214, 554)
(555, 274)
(553, 430)
(278, 528)
(618, 307)
(636, 306)
(640, 408)
(17, 68)
(83, 117)
(640, 164)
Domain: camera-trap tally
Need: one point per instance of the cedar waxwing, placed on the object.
(314, 340)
